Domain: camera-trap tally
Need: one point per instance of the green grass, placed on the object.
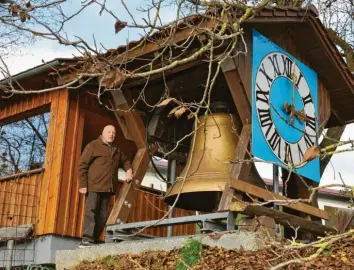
(109, 260)
(190, 254)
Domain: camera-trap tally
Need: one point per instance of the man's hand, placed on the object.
(129, 175)
(83, 190)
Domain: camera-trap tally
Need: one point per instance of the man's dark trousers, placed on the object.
(96, 214)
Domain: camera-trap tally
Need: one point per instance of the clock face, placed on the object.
(288, 135)
(284, 108)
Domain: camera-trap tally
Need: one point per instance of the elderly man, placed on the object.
(98, 175)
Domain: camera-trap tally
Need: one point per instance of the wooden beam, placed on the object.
(267, 195)
(22, 174)
(153, 45)
(139, 81)
(127, 195)
(50, 186)
(237, 90)
(281, 217)
(238, 170)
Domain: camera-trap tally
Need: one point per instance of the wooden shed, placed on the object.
(49, 195)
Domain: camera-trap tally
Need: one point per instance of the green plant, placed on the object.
(109, 260)
(190, 254)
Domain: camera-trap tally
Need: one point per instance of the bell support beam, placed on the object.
(267, 195)
(285, 219)
(239, 170)
(241, 99)
(135, 129)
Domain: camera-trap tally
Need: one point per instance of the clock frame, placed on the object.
(284, 108)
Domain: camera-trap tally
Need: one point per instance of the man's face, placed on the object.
(108, 134)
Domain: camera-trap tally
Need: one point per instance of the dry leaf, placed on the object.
(28, 5)
(14, 9)
(113, 78)
(96, 68)
(173, 111)
(165, 102)
(180, 111)
(190, 115)
(23, 16)
(119, 26)
(311, 153)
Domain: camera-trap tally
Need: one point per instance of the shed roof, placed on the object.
(321, 52)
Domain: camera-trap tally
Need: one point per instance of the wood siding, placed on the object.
(19, 198)
(16, 109)
(70, 209)
(149, 206)
(50, 187)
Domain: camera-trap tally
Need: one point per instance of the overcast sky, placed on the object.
(89, 23)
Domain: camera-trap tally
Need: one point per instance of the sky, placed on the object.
(89, 23)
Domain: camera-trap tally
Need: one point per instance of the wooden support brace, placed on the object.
(267, 195)
(128, 193)
(239, 170)
(280, 217)
(237, 90)
(242, 103)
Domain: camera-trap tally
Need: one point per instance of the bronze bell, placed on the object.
(215, 144)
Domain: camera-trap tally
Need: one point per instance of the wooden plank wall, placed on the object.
(19, 198)
(49, 199)
(69, 218)
(57, 102)
(149, 206)
(27, 104)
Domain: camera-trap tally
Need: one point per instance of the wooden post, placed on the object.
(136, 130)
(238, 170)
(237, 90)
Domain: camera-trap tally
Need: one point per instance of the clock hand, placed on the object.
(301, 115)
(289, 108)
(293, 80)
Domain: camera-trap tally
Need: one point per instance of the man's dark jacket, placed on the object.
(98, 167)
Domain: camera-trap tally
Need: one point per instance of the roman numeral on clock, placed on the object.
(308, 140)
(265, 119)
(307, 99)
(274, 142)
(274, 61)
(288, 154)
(311, 122)
(269, 79)
(301, 154)
(287, 62)
(262, 95)
(298, 82)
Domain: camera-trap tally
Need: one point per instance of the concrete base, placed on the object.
(67, 259)
(41, 250)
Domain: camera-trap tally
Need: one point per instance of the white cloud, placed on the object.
(30, 57)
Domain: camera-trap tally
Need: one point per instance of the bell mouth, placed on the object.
(196, 201)
(198, 195)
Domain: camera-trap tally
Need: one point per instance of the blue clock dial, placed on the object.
(285, 108)
(280, 94)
